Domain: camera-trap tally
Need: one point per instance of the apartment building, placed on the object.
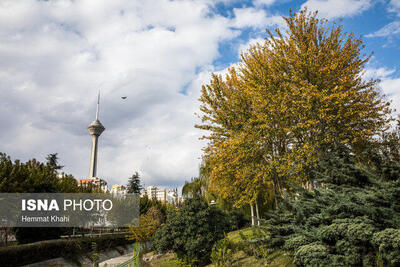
(118, 189)
(162, 194)
(95, 182)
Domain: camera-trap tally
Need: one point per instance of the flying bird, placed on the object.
(123, 97)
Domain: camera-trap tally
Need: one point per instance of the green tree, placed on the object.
(352, 219)
(155, 214)
(191, 231)
(146, 204)
(149, 223)
(134, 185)
(35, 177)
(195, 188)
(52, 161)
(144, 231)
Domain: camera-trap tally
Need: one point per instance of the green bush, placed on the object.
(237, 220)
(314, 254)
(191, 231)
(67, 248)
(388, 244)
(352, 219)
(222, 252)
(358, 231)
(25, 235)
(296, 241)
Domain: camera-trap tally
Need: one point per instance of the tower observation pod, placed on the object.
(95, 129)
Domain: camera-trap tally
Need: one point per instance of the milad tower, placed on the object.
(95, 129)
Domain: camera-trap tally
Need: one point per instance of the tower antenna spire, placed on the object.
(98, 104)
(95, 129)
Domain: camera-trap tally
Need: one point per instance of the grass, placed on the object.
(275, 258)
(165, 260)
(235, 236)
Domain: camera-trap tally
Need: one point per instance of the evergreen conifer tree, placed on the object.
(134, 185)
(352, 217)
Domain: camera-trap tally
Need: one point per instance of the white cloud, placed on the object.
(56, 55)
(391, 28)
(394, 6)
(263, 2)
(390, 83)
(245, 46)
(254, 17)
(337, 8)
(391, 88)
(388, 30)
(378, 73)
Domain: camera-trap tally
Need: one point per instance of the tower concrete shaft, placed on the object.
(95, 129)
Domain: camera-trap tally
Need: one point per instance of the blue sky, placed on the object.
(367, 24)
(56, 55)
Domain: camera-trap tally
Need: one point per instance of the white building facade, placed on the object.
(118, 189)
(162, 194)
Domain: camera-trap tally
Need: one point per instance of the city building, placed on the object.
(95, 182)
(162, 194)
(118, 189)
(151, 192)
(172, 196)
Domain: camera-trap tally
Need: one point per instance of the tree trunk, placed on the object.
(252, 215)
(258, 216)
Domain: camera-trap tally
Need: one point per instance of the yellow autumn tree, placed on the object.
(291, 98)
(142, 233)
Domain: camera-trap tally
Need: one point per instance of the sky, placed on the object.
(55, 56)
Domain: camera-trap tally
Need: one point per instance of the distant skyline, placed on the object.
(56, 56)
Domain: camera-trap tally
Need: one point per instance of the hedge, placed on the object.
(71, 249)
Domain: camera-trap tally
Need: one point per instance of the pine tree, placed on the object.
(134, 185)
(351, 219)
(52, 161)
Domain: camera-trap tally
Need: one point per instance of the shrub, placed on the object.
(146, 204)
(148, 226)
(237, 220)
(222, 252)
(25, 235)
(191, 231)
(352, 220)
(314, 254)
(388, 244)
(68, 248)
(155, 214)
(296, 241)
